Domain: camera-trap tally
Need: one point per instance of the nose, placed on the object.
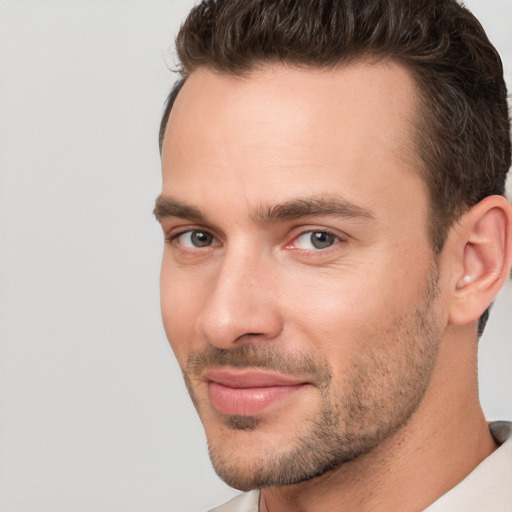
(240, 305)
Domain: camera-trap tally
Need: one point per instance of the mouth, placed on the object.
(247, 392)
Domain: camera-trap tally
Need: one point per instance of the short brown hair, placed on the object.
(462, 130)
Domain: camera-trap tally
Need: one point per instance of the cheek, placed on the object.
(340, 313)
(338, 302)
(179, 307)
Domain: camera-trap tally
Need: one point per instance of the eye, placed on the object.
(195, 239)
(315, 240)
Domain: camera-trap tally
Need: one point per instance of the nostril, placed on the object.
(254, 338)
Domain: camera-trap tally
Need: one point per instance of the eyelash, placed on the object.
(336, 239)
(173, 237)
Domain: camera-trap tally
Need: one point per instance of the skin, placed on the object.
(382, 332)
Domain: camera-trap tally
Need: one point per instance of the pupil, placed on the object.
(201, 239)
(321, 240)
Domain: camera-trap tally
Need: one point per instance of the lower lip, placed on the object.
(248, 401)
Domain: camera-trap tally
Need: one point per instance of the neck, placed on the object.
(444, 440)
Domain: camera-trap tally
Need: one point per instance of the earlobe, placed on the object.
(485, 237)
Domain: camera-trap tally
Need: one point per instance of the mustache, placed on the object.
(262, 357)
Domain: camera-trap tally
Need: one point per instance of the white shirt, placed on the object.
(487, 488)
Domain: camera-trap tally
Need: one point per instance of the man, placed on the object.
(332, 202)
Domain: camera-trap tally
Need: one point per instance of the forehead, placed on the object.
(348, 130)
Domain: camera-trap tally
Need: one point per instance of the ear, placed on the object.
(484, 240)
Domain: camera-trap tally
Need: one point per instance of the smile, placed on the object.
(248, 392)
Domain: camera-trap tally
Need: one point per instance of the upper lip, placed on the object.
(250, 378)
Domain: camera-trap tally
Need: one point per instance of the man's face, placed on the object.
(299, 290)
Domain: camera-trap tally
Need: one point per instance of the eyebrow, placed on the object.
(169, 207)
(311, 207)
(166, 206)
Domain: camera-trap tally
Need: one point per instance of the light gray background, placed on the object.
(93, 413)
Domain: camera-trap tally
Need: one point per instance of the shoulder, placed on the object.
(247, 502)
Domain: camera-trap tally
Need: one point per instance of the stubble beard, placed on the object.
(380, 392)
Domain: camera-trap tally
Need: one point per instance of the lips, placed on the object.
(249, 392)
